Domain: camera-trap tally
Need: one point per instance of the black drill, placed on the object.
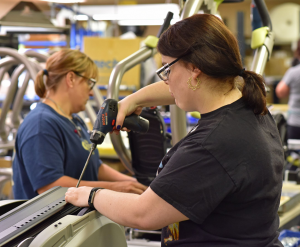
(106, 121)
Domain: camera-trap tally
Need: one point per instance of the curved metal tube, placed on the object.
(5, 64)
(18, 102)
(90, 112)
(8, 100)
(178, 116)
(20, 58)
(264, 13)
(190, 8)
(98, 97)
(41, 58)
(6, 104)
(113, 92)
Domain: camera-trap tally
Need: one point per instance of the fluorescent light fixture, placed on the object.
(81, 17)
(5, 29)
(64, 1)
(131, 12)
(144, 22)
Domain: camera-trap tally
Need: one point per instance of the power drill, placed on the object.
(106, 121)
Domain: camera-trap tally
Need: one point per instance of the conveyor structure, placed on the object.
(47, 220)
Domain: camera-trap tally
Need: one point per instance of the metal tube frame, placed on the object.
(21, 59)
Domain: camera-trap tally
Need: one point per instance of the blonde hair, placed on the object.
(59, 64)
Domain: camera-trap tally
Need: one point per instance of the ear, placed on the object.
(70, 78)
(195, 72)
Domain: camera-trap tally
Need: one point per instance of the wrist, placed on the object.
(92, 196)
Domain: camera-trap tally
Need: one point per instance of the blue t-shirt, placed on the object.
(48, 146)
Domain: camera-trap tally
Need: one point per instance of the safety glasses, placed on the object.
(90, 81)
(164, 71)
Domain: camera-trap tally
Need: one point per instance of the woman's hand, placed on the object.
(78, 196)
(128, 187)
(125, 108)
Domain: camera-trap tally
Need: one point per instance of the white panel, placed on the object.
(285, 22)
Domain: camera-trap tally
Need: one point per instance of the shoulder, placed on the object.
(42, 119)
(292, 73)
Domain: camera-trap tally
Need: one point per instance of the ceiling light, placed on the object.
(144, 22)
(64, 1)
(130, 12)
(80, 17)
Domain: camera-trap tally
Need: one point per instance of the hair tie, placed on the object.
(241, 73)
(45, 72)
(45, 75)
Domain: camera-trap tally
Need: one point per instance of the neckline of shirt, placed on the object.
(234, 105)
(61, 116)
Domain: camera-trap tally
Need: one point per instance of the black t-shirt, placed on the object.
(226, 177)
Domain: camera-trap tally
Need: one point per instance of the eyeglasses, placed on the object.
(91, 81)
(164, 71)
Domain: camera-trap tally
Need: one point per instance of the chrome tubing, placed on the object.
(5, 64)
(178, 116)
(90, 112)
(113, 93)
(41, 58)
(4, 129)
(18, 102)
(190, 8)
(263, 53)
(20, 59)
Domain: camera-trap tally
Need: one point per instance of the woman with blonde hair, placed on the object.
(52, 143)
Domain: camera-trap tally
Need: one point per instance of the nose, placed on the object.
(91, 92)
(167, 82)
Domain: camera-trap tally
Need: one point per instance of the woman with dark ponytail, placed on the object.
(221, 184)
(53, 143)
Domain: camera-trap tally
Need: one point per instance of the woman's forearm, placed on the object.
(153, 95)
(66, 181)
(106, 173)
(125, 213)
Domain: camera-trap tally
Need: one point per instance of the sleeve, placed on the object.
(289, 76)
(193, 182)
(43, 159)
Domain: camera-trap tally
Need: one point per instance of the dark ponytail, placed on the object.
(254, 92)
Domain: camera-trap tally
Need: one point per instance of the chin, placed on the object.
(183, 107)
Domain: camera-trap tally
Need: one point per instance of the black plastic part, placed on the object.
(293, 176)
(136, 123)
(264, 13)
(166, 24)
(147, 150)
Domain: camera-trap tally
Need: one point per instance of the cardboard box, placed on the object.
(107, 52)
(277, 66)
